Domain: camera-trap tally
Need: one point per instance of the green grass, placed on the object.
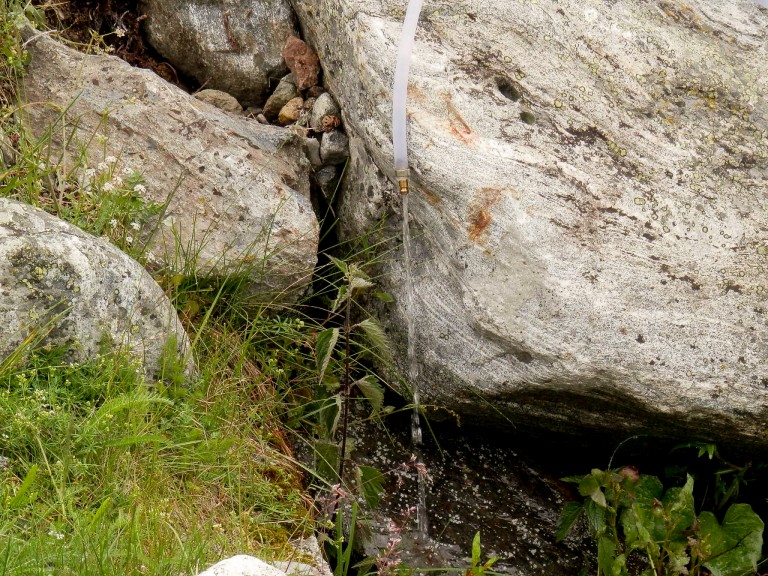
(102, 472)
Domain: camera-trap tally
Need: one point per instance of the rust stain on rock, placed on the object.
(479, 215)
(458, 126)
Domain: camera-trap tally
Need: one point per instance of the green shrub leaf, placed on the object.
(372, 390)
(571, 513)
(326, 342)
(735, 546)
(371, 483)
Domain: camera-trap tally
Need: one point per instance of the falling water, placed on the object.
(413, 373)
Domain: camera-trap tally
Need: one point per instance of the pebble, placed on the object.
(302, 61)
(285, 92)
(324, 178)
(312, 149)
(324, 106)
(220, 99)
(261, 119)
(334, 147)
(291, 111)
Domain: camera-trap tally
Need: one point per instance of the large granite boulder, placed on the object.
(237, 191)
(62, 287)
(231, 45)
(588, 195)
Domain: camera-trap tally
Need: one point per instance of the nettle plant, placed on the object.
(630, 513)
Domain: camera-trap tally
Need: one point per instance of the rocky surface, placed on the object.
(589, 223)
(285, 92)
(220, 99)
(234, 46)
(62, 287)
(302, 61)
(237, 191)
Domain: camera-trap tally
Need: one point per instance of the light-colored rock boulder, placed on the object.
(590, 223)
(237, 191)
(242, 565)
(334, 147)
(234, 45)
(63, 287)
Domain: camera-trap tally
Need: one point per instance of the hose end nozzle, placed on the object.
(402, 180)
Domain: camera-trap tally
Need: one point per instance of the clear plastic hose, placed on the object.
(400, 89)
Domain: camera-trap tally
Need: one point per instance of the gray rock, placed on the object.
(261, 119)
(334, 147)
(603, 268)
(238, 191)
(285, 92)
(78, 292)
(242, 565)
(221, 100)
(234, 47)
(312, 148)
(324, 106)
(325, 178)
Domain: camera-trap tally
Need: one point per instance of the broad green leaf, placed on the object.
(371, 483)
(568, 517)
(340, 264)
(677, 557)
(679, 508)
(595, 515)
(357, 283)
(372, 390)
(327, 460)
(476, 550)
(734, 548)
(609, 563)
(589, 485)
(639, 524)
(647, 490)
(328, 416)
(326, 342)
(341, 298)
(377, 337)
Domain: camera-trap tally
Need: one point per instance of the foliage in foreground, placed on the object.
(631, 513)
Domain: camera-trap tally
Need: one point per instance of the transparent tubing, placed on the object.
(400, 93)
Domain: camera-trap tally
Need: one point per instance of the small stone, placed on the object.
(334, 147)
(325, 178)
(285, 92)
(324, 106)
(302, 61)
(253, 111)
(312, 149)
(261, 119)
(291, 111)
(220, 99)
(309, 103)
(315, 91)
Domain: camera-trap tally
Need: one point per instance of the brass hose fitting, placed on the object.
(402, 181)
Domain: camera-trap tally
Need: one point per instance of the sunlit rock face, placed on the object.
(591, 236)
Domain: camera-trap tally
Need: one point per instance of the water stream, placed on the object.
(413, 373)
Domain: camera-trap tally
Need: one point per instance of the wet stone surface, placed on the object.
(476, 485)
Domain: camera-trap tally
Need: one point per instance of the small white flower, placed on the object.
(102, 166)
(129, 239)
(57, 535)
(117, 181)
(108, 187)
(110, 159)
(127, 171)
(135, 225)
(113, 222)
(140, 188)
(90, 173)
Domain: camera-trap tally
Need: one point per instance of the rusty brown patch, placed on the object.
(458, 126)
(479, 216)
(431, 197)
